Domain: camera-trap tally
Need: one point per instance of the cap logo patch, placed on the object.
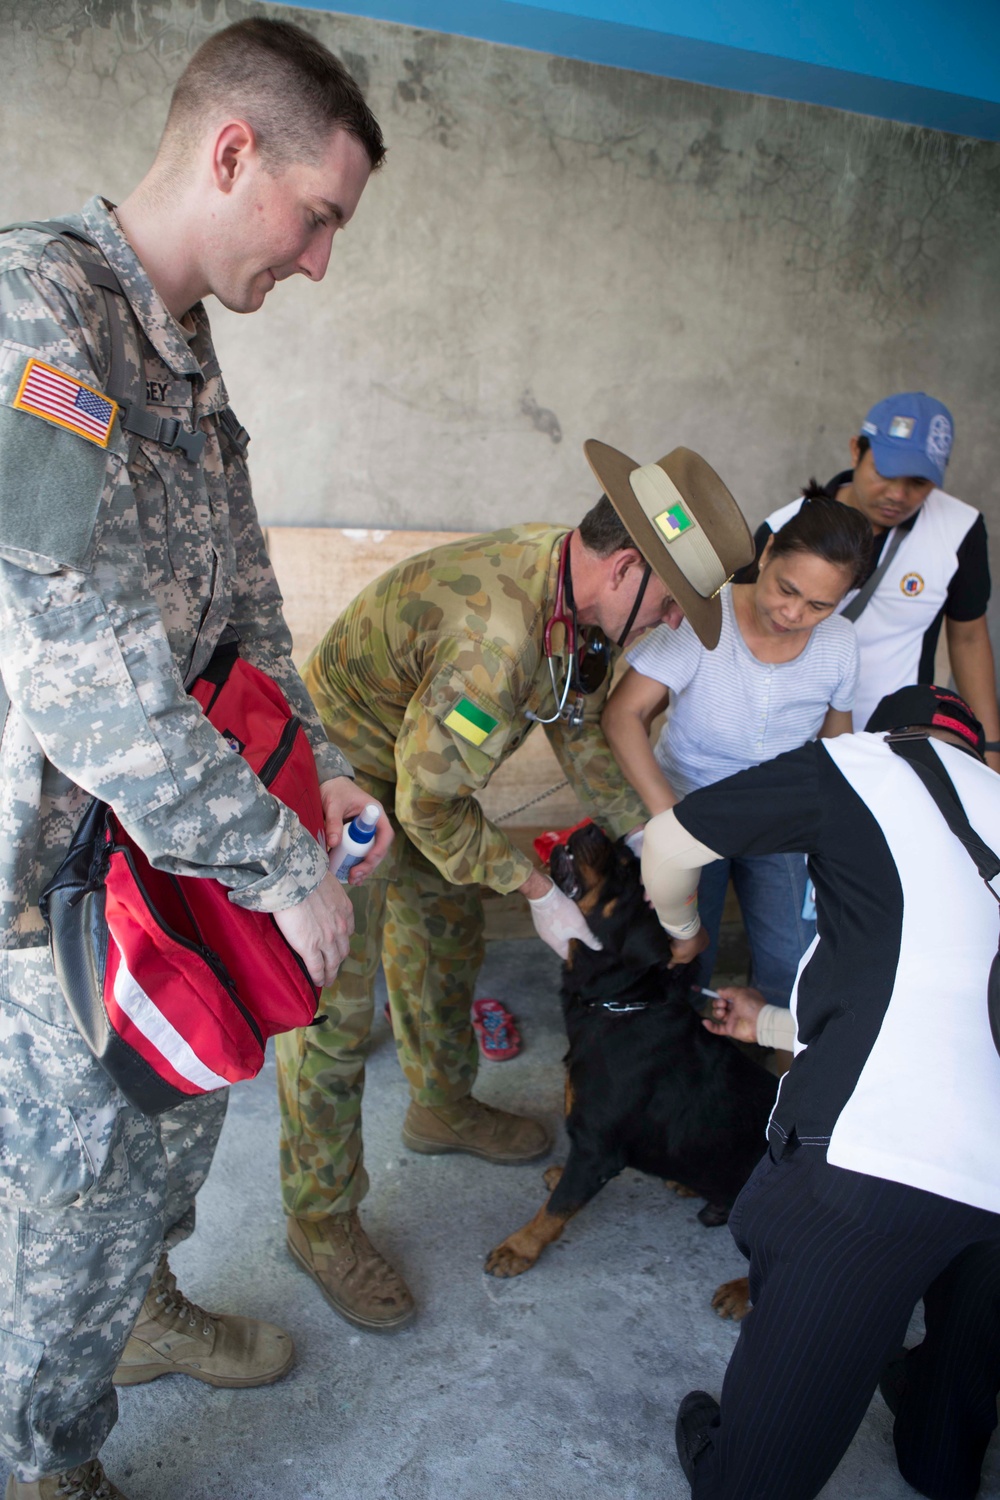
(939, 437)
(902, 427)
(911, 584)
(673, 522)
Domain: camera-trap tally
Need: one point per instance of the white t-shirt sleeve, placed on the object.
(842, 698)
(668, 656)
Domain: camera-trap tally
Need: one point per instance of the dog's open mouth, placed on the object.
(580, 867)
(562, 868)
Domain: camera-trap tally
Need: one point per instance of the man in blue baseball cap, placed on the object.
(929, 562)
(910, 437)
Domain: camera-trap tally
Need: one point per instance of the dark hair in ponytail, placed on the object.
(835, 532)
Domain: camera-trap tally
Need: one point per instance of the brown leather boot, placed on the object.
(173, 1336)
(477, 1128)
(86, 1482)
(356, 1281)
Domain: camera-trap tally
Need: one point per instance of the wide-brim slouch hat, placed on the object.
(685, 523)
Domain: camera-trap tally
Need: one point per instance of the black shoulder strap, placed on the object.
(234, 429)
(862, 598)
(922, 759)
(928, 766)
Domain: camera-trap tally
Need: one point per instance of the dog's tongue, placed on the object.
(546, 842)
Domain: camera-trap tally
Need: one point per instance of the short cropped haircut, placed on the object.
(285, 84)
(603, 531)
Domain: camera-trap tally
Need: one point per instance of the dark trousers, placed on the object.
(838, 1261)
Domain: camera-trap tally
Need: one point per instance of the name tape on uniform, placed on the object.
(469, 721)
(62, 399)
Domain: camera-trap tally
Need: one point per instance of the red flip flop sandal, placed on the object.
(494, 1026)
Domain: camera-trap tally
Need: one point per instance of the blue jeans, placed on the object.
(771, 889)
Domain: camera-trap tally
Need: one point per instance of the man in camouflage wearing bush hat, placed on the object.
(428, 681)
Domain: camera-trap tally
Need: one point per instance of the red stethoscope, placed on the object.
(587, 654)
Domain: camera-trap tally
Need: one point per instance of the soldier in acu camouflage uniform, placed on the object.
(122, 560)
(428, 681)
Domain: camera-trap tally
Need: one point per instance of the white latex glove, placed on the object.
(557, 919)
(634, 840)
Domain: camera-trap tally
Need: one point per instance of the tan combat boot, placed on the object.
(469, 1125)
(356, 1281)
(173, 1336)
(87, 1482)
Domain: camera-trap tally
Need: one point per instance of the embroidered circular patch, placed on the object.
(912, 584)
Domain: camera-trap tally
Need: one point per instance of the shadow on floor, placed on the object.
(561, 1382)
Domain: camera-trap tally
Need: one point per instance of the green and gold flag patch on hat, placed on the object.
(470, 721)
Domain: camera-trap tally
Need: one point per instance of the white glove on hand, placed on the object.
(634, 840)
(557, 919)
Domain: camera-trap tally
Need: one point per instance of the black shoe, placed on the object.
(892, 1381)
(695, 1416)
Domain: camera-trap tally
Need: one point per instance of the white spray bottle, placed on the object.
(354, 842)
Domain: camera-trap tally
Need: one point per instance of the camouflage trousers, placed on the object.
(90, 1191)
(429, 936)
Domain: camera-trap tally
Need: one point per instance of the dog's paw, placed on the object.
(732, 1299)
(712, 1215)
(551, 1177)
(679, 1188)
(506, 1261)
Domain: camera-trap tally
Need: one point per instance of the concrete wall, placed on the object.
(555, 250)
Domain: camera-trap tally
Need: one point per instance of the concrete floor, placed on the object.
(562, 1382)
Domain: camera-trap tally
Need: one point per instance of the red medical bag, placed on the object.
(173, 987)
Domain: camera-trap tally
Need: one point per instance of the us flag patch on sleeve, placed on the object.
(55, 397)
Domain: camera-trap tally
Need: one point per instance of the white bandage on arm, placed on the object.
(671, 863)
(776, 1028)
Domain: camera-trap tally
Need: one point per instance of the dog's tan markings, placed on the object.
(591, 897)
(609, 907)
(732, 1299)
(521, 1249)
(569, 1098)
(680, 1189)
(551, 1177)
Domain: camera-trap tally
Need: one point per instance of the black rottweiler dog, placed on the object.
(646, 1086)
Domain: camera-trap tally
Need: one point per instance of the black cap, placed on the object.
(931, 707)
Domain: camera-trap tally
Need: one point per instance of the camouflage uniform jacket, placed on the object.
(119, 571)
(424, 680)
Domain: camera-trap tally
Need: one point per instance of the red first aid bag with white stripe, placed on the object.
(174, 988)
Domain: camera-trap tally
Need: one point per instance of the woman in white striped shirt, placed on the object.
(784, 671)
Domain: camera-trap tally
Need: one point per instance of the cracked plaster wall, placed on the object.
(554, 250)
